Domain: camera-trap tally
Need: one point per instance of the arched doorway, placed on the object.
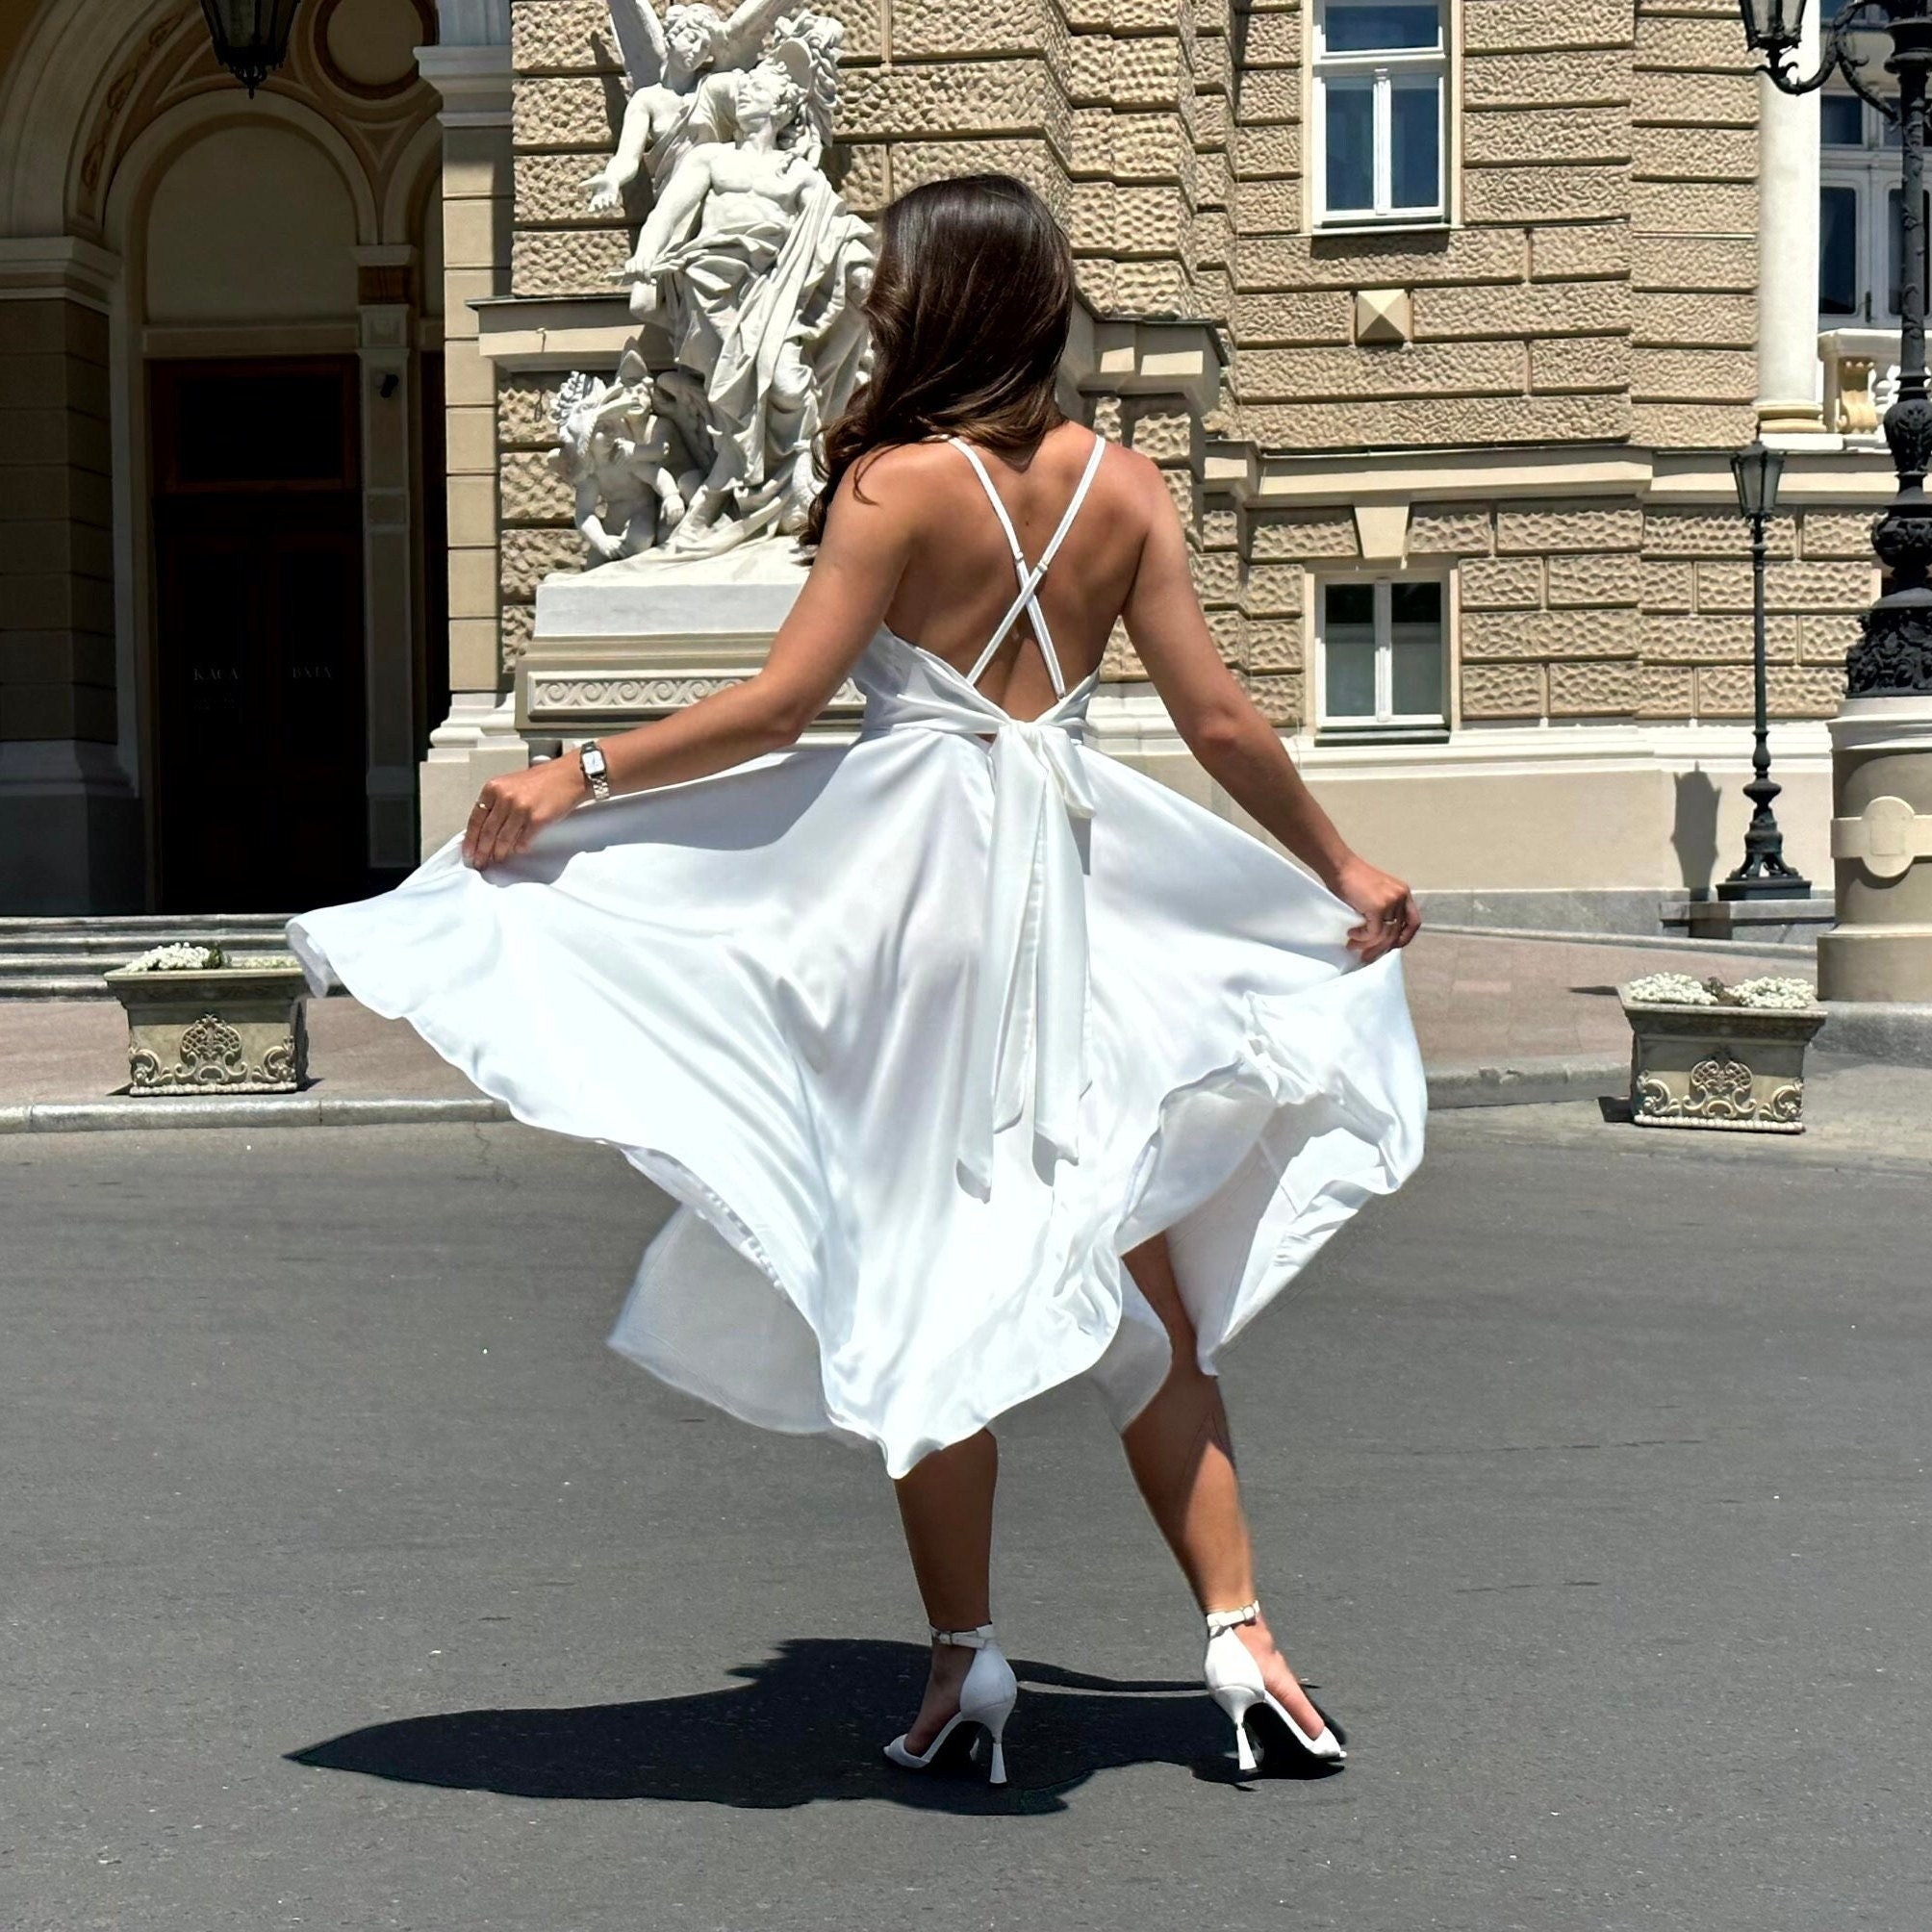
(255, 460)
(246, 296)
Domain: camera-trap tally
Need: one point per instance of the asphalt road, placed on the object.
(349, 1582)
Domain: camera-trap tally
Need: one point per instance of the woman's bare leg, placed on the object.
(946, 1506)
(1182, 1458)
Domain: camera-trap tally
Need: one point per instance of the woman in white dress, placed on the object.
(976, 1060)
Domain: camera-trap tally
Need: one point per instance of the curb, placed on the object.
(1517, 1083)
(127, 1112)
(1896, 1033)
(1743, 949)
(1524, 1082)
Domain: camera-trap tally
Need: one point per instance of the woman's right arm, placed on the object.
(1236, 746)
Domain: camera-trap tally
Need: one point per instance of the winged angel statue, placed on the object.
(752, 265)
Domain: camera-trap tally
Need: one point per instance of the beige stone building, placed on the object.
(1444, 317)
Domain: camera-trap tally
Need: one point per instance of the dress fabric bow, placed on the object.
(1027, 1033)
(1026, 1038)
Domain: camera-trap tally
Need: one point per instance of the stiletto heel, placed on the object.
(1237, 1700)
(987, 1700)
(1234, 1681)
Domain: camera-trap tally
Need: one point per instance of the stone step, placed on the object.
(56, 986)
(118, 952)
(64, 958)
(12, 965)
(136, 931)
(134, 921)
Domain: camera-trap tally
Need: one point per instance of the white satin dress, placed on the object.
(923, 1033)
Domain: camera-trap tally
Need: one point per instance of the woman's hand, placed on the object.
(514, 807)
(1389, 915)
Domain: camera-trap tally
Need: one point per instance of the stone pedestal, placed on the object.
(1881, 841)
(645, 636)
(1768, 921)
(225, 1030)
(1736, 1068)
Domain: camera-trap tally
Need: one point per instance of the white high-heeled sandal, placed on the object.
(986, 1699)
(1234, 1683)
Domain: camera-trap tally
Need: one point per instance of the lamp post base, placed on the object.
(1766, 885)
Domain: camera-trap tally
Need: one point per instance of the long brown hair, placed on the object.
(969, 309)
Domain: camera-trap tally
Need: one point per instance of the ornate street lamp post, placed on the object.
(1881, 948)
(1764, 874)
(251, 37)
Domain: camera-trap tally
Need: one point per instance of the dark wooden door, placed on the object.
(260, 751)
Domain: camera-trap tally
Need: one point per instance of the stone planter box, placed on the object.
(1737, 1068)
(222, 1030)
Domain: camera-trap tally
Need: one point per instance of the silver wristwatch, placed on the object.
(596, 773)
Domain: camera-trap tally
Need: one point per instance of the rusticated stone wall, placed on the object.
(1618, 609)
(568, 102)
(1595, 288)
(1598, 285)
(537, 533)
(1693, 227)
(1094, 104)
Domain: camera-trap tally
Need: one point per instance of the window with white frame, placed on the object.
(1384, 657)
(1861, 252)
(1380, 141)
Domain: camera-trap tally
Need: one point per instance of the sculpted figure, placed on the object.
(628, 463)
(681, 72)
(756, 267)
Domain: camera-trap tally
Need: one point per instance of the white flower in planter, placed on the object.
(1789, 995)
(1711, 1056)
(1670, 989)
(178, 957)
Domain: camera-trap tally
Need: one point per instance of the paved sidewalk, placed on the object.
(1480, 1003)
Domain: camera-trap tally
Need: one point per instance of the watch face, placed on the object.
(592, 760)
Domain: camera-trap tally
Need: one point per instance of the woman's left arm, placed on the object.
(841, 605)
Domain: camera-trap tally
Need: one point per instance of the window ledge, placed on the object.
(1393, 227)
(1382, 734)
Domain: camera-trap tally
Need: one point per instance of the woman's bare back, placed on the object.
(961, 580)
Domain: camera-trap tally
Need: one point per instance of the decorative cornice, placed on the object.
(57, 264)
(576, 698)
(474, 82)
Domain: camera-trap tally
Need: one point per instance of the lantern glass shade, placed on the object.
(251, 37)
(1757, 470)
(1772, 26)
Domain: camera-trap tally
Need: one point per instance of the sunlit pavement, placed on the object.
(351, 1582)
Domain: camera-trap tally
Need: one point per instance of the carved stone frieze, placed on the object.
(576, 699)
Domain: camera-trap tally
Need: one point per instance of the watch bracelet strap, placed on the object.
(600, 780)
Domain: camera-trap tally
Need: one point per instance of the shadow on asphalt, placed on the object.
(807, 1725)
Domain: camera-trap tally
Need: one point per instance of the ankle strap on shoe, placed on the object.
(966, 1639)
(1219, 1621)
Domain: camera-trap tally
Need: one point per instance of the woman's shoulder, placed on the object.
(907, 462)
(931, 480)
(1132, 469)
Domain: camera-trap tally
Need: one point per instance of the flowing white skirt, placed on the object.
(757, 986)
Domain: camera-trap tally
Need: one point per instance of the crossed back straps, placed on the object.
(1028, 575)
